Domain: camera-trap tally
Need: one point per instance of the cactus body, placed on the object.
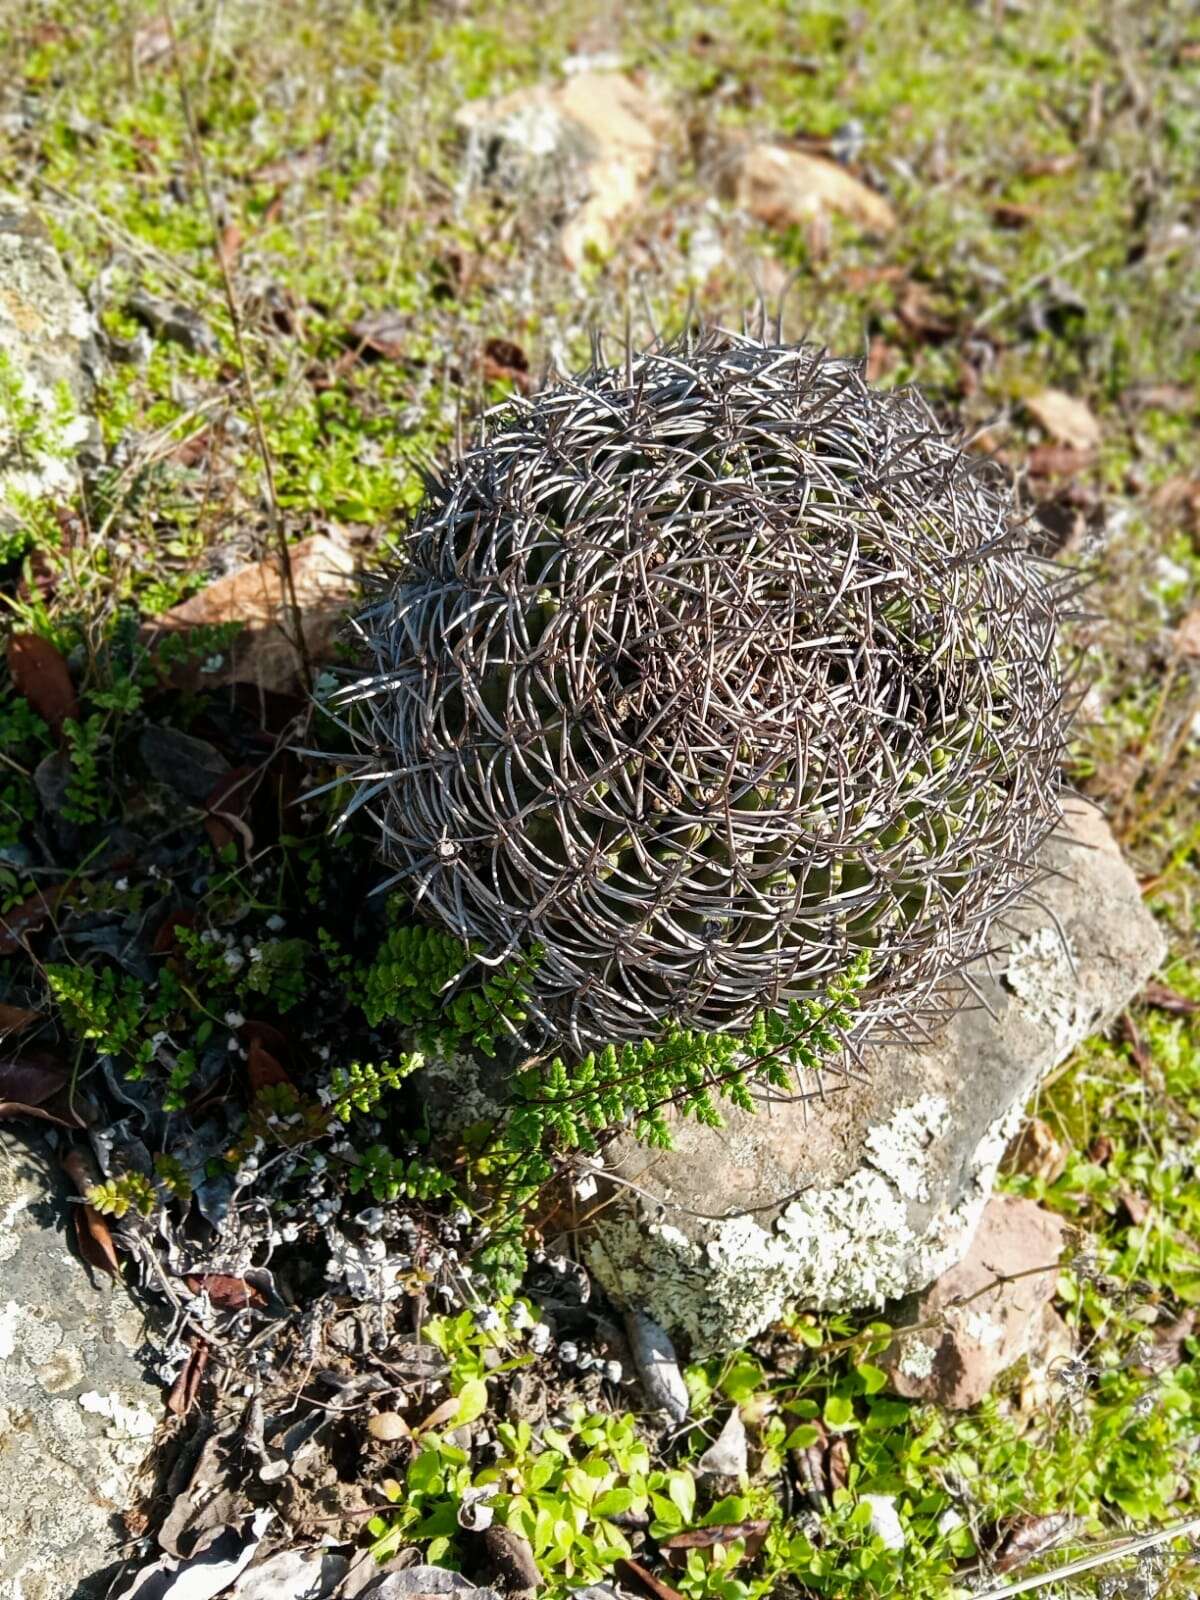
(706, 672)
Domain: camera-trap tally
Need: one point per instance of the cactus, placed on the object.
(706, 673)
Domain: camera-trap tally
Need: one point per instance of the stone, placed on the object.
(594, 140)
(873, 1185)
(982, 1315)
(77, 1415)
(47, 351)
(784, 188)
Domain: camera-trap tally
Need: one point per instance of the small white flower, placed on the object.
(234, 1019)
(614, 1371)
(539, 1338)
(121, 885)
(488, 1320)
(568, 1351)
(275, 922)
(234, 960)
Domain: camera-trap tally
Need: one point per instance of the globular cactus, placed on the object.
(706, 672)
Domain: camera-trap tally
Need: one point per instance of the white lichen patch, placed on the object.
(127, 1421)
(845, 1247)
(916, 1358)
(899, 1147)
(1041, 973)
(983, 1329)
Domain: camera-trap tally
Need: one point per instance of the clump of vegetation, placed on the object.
(198, 987)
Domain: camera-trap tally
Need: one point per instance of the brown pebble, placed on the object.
(388, 1425)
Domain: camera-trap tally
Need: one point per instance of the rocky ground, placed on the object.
(260, 1334)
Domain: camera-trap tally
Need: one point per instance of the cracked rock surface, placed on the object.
(873, 1189)
(77, 1414)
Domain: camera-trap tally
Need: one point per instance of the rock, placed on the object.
(885, 1521)
(596, 137)
(76, 1414)
(174, 323)
(986, 1312)
(1064, 418)
(782, 188)
(263, 652)
(46, 347)
(872, 1189)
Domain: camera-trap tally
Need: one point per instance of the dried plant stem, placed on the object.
(1186, 1529)
(297, 639)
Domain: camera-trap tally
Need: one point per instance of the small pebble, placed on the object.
(388, 1425)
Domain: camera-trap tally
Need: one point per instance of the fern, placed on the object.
(570, 1107)
(422, 979)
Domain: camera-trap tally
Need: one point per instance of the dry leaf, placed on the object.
(264, 652)
(15, 1019)
(1064, 418)
(1056, 461)
(27, 918)
(39, 672)
(1163, 999)
(35, 1084)
(1033, 1536)
(1037, 1153)
(95, 1241)
(226, 1293)
(262, 1069)
(186, 1386)
(678, 1545)
(91, 1231)
(629, 1568)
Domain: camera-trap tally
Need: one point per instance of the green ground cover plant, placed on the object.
(212, 963)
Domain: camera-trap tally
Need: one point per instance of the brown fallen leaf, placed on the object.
(1033, 1536)
(227, 1293)
(1037, 1153)
(678, 1545)
(1136, 1206)
(264, 653)
(186, 1386)
(1161, 998)
(92, 1233)
(262, 1069)
(1011, 214)
(1064, 418)
(1056, 461)
(29, 917)
(646, 1580)
(36, 1083)
(1100, 1151)
(15, 1019)
(39, 672)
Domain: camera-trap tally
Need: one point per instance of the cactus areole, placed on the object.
(704, 673)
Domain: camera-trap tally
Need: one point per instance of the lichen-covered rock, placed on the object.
(871, 1189)
(46, 347)
(77, 1416)
(982, 1315)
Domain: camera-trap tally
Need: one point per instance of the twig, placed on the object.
(235, 320)
(1099, 1558)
